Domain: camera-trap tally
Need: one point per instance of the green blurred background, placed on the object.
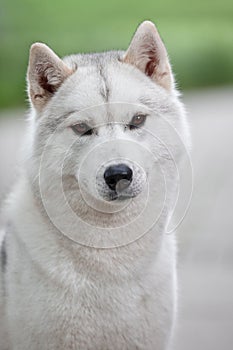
(198, 36)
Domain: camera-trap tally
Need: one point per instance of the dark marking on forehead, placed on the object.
(104, 88)
(3, 255)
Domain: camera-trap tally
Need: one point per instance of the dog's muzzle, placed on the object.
(119, 180)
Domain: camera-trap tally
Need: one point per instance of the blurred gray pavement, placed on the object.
(205, 237)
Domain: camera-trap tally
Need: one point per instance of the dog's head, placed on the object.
(108, 125)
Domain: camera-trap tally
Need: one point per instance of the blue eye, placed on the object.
(82, 129)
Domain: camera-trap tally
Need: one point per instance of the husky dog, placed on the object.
(87, 263)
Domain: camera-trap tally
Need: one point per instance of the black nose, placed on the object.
(115, 173)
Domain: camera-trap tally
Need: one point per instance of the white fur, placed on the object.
(102, 275)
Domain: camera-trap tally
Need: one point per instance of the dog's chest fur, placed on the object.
(71, 297)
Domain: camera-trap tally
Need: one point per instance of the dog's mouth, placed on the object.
(120, 191)
(112, 196)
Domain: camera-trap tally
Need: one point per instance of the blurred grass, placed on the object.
(198, 36)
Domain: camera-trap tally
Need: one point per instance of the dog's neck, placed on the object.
(33, 227)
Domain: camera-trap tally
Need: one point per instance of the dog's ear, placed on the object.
(46, 72)
(148, 53)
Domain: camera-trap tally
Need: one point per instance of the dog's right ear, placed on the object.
(148, 53)
(46, 73)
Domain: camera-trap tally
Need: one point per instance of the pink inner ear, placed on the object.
(150, 55)
(153, 61)
(43, 71)
(150, 67)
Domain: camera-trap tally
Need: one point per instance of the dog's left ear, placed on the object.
(148, 53)
(46, 73)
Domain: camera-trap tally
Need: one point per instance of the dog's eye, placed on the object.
(82, 129)
(137, 121)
